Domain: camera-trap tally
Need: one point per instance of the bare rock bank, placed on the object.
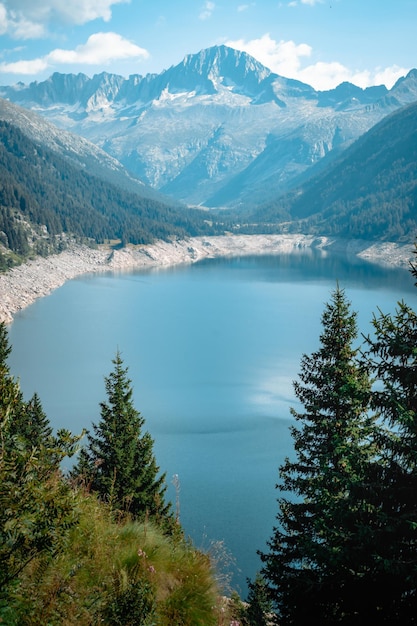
(21, 286)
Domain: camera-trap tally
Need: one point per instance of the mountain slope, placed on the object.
(369, 192)
(44, 199)
(200, 128)
(80, 152)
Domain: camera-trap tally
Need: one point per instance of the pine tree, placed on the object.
(5, 347)
(118, 462)
(11, 399)
(319, 552)
(32, 424)
(259, 609)
(392, 350)
(37, 506)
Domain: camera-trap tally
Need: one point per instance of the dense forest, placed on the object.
(44, 197)
(100, 543)
(368, 192)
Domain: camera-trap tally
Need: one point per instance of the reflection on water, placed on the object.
(212, 351)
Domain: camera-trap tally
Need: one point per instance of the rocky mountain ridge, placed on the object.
(77, 150)
(368, 191)
(218, 129)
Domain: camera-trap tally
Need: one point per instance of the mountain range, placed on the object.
(341, 162)
(219, 129)
(49, 196)
(369, 191)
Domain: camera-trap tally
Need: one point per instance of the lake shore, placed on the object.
(22, 285)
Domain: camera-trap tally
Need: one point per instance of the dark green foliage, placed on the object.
(259, 610)
(318, 559)
(36, 509)
(36, 505)
(131, 601)
(41, 189)
(369, 192)
(393, 353)
(5, 349)
(13, 234)
(118, 462)
(11, 400)
(31, 424)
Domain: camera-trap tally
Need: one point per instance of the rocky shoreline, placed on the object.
(22, 285)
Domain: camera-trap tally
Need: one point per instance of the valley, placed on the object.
(256, 194)
(218, 129)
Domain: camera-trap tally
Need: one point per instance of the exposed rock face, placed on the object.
(198, 129)
(22, 285)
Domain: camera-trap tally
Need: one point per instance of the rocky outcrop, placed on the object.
(21, 286)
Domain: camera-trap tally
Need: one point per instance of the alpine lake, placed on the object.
(212, 350)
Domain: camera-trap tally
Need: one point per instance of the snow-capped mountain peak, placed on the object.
(218, 128)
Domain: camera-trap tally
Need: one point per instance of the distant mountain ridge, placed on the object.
(49, 196)
(80, 152)
(369, 191)
(218, 129)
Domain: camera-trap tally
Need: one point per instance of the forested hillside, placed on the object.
(218, 129)
(101, 546)
(370, 192)
(44, 196)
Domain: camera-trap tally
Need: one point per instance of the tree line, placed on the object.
(344, 550)
(43, 195)
(99, 544)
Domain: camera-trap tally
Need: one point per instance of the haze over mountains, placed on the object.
(369, 191)
(52, 192)
(219, 129)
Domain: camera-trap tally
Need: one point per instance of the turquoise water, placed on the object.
(212, 351)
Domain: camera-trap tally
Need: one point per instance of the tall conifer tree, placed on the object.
(37, 506)
(118, 462)
(318, 553)
(11, 399)
(392, 351)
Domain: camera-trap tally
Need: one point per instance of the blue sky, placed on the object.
(321, 42)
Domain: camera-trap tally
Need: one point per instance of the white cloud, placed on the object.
(29, 19)
(310, 3)
(73, 11)
(328, 75)
(282, 57)
(207, 11)
(100, 49)
(18, 26)
(389, 75)
(3, 19)
(25, 29)
(27, 68)
(287, 58)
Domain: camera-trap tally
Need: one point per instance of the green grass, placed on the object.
(128, 573)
